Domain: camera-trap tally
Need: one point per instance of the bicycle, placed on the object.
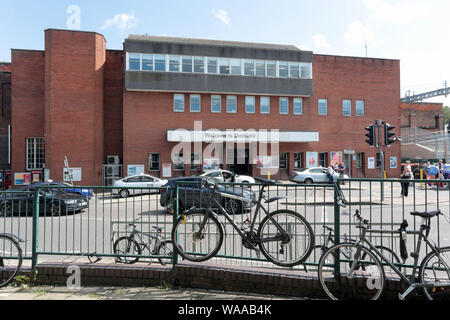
(130, 247)
(10, 258)
(284, 237)
(343, 278)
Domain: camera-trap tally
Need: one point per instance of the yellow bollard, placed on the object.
(268, 176)
(385, 176)
(421, 177)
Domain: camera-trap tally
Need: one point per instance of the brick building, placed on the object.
(80, 100)
(5, 118)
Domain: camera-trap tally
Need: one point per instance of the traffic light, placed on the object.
(388, 134)
(371, 135)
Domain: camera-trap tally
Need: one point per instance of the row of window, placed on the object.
(264, 103)
(214, 65)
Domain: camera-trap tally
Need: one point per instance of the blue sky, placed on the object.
(413, 31)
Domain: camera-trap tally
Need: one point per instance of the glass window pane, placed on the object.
(359, 108)
(174, 63)
(284, 105)
(154, 161)
(231, 104)
(212, 65)
(260, 68)
(298, 106)
(187, 64)
(147, 62)
(283, 69)
(160, 62)
(199, 64)
(347, 107)
(178, 162)
(178, 102)
(271, 68)
(216, 104)
(224, 66)
(250, 104)
(294, 70)
(323, 107)
(236, 66)
(195, 103)
(134, 61)
(265, 104)
(305, 69)
(249, 67)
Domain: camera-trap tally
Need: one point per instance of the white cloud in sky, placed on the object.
(222, 15)
(402, 12)
(320, 42)
(122, 21)
(356, 34)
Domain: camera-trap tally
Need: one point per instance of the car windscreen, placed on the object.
(301, 169)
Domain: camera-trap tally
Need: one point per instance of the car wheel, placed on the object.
(5, 210)
(124, 193)
(233, 206)
(55, 208)
(308, 181)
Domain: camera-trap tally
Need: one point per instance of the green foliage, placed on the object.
(447, 114)
(25, 281)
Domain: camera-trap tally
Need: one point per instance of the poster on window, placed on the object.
(22, 179)
(72, 174)
(210, 164)
(371, 163)
(335, 156)
(393, 162)
(167, 170)
(135, 169)
(311, 159)
(266, 162)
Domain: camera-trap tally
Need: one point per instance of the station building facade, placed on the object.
(81, 101)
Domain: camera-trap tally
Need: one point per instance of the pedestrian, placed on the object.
(330, 173)
(341, 170)
(405, 175)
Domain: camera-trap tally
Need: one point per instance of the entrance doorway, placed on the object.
(348, 164)
(240, 162)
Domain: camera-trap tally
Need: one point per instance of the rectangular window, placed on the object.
(323, 107)
(195, 162)
(347, 107)
(186, 64)
(298, 106)
(323, 159)
(249, 104)
(236, 68)
(359, 111)
(298, 160)
(199, 64)
(147, 62)
(260, 68)
(359, 160)
(231, 104)
(35, 153)
(195, 103)
(153, 161)
(178, 162)
(134, 61)
(294, 70)
(224, 66)
(249, 67)
(216, 104)
(178, 102)
(305, 70)
(284, 105)
(283, 160)
(212, 65)
(160, 62)
(264, 105)
(271, 68)
(283, 70)
(174, 63)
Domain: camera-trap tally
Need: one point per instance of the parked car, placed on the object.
(192, 194)
(312, 175)
(70, 188)
(143, 181)
(228, 176)
(53, 202)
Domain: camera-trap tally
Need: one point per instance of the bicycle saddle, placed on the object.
(266, 182)
(159, 229)
(426, 214)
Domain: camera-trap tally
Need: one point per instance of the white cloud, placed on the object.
(357, 34)
(403, 12)
(122, 21)
(222, 15)
(320, 41)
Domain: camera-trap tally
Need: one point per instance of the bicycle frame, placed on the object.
(151, 237)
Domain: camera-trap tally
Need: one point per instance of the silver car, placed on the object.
(312, 175)
(144, 181)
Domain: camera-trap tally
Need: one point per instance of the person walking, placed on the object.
(330, 173)
(405, 174)
(341, 171)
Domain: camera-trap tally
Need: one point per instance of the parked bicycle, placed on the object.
(284, 237)
(353, 270)
(10, 258)
(128, 248)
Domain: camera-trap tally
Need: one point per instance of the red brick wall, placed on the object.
(425, 115)
(5, 67)
(147, 116)
(28, 100)
(5, 101)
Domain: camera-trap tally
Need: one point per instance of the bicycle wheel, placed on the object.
(291, 248)
(165, 249)
(433, 270)
(366, 282)
(10, 259)
(126, 246)
(194, 244)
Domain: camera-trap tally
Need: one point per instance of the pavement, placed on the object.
(161, 292)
